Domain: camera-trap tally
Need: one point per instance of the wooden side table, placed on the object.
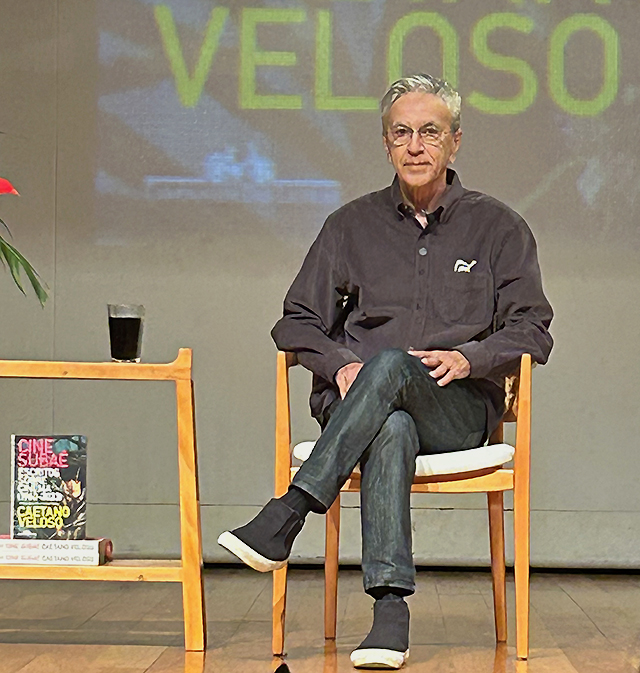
(188, 570)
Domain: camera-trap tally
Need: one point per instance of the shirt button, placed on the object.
(421, 272)
(422, 251)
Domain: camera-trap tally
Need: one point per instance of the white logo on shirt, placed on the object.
(461, 265)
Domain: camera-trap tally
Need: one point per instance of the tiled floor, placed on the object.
(579, 624)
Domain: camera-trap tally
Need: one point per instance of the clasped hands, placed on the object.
(446, 366)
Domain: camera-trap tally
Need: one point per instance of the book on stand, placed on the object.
(48, 487)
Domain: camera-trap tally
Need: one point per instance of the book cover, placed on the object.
(55, 552)
(48, 489)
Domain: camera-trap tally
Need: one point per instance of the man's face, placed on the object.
(423, 160)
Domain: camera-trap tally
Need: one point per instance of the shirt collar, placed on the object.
(451, 195)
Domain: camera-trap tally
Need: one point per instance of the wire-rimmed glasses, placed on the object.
(429, 134)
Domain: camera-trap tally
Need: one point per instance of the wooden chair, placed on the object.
(493, 480)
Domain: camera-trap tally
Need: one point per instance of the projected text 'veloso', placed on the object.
(246, 101)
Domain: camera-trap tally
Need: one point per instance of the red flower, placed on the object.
(7, 188)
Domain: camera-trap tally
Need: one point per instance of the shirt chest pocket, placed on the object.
(466, 299)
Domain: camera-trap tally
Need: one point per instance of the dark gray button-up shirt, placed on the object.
(375, 279)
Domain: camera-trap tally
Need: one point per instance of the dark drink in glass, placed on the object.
(125, 332)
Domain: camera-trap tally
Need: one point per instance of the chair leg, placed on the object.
(521, 571)
(332, 542)
(279, 610)
(498, 572)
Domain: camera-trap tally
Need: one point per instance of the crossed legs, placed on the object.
(394, 411)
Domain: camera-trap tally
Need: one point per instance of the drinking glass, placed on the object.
(125, 331)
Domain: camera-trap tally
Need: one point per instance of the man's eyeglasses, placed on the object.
(402, 135)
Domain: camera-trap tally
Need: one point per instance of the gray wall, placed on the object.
(212, 279)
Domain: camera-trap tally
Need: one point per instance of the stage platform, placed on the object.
(580, 623)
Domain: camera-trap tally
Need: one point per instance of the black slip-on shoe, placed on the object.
(265, 542)
(387, 645)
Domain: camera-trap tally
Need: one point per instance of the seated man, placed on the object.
(411, 306)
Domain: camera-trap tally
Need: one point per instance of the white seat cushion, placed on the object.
(454, 462)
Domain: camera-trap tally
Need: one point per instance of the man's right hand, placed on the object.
(346, 375)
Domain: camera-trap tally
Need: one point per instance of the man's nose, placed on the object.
(415, 145)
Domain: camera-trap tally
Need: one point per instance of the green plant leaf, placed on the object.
(4, 224)
(17, 263)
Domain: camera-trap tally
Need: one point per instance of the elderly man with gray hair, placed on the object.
(411, 307)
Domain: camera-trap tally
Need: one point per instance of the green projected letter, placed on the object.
(441, 26)
(251, 57)
(510, 64)
(325, 100)
(189, 89)
(611, 74)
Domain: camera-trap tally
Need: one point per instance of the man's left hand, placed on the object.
(446, 365)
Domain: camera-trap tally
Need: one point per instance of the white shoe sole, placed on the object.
(378, 658)
(247, 555)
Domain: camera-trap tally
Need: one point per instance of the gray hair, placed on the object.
(425, 84)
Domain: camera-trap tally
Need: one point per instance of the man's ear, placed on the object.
(456, 137)
(385, 144)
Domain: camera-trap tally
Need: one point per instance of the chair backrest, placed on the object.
(513, 391)
(522, 414)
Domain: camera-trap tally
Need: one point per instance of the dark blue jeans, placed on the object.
(393, 412)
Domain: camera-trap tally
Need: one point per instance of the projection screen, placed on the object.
(266, 113)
